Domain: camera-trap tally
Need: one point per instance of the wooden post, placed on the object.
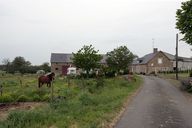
(1, 89)
(176, 56)
(52, 91)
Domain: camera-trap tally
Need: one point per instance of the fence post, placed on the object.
(52, 91)
(1, 89)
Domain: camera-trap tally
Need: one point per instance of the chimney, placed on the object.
(155, 50)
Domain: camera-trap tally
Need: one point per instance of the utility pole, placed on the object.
(176, 57)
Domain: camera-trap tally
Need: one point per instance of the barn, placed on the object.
(60, 62)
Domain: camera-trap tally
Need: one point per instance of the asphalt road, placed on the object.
(158, 105)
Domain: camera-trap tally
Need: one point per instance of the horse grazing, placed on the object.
(46, 79)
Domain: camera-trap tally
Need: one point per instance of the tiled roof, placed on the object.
(61, 57)
(145, 59)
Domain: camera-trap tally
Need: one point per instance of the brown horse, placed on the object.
(46, 79)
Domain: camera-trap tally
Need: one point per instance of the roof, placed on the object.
(145, 59)
(61, 57)
(66, 58)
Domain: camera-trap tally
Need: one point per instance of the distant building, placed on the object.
(159, 61)
(60, 62)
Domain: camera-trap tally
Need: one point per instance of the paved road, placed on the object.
(158, 105)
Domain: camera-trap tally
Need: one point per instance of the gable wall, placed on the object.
(59, 67)
(154, 66)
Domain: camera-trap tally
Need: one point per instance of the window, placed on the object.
(56, 68)
(160, 60)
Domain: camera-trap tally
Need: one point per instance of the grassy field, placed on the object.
(173, 75)
(84, 104)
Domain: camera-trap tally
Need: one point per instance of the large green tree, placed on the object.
(87, 58)
(119, 59)
(184, 21)
(20, 64)
(45, 66)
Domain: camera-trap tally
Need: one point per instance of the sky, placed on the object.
(34, 29)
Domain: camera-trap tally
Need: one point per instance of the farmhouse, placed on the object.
(159, 61)
(60, 62)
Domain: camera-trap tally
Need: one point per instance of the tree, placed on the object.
(87, 58)
(19, 64)
(45, 66)
(6, 62)
(184, 21)
(119, 59)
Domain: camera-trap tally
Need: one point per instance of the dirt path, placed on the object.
(158, 105)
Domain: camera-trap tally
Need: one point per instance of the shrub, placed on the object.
(23, 98)
(186, 85)
(6, 98)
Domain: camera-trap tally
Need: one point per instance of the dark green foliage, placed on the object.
(45, 66)
(186, 85)
(190, 74)
(87, 58)
(184, 22)
(20, 65)
(119, 59)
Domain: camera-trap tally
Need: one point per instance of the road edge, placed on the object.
(125, 105)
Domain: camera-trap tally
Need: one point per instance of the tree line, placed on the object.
(20, 65)
(114, 62)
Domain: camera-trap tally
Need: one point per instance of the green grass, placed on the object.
(173, 75)
(82, 105)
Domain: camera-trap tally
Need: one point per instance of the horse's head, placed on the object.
(51, 76)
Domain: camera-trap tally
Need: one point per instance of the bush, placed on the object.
(23, 98)
(186, 85)
(6, 98)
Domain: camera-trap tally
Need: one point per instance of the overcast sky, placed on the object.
(36, 28)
